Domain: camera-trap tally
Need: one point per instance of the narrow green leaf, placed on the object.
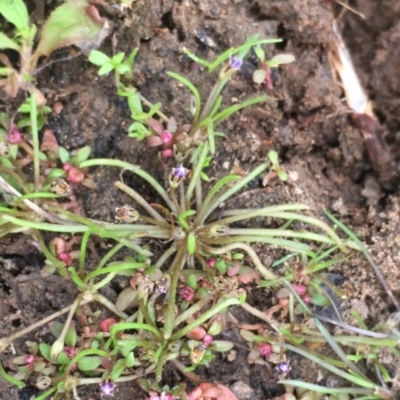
(7, 43)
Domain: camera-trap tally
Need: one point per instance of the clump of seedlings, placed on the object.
(174, 308)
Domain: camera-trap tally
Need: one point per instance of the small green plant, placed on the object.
(180, 141)
(172, 310)
(63, 28)
(122, 67)
(263, 74)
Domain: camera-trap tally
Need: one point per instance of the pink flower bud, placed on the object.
(59, 245)
(75, 175)
(69, 351)
(187, 293)
(168, 396)
(166, 137)
(153, 396)
(65, 258)
(307, 299)
(30, 359)
(197, 333)
(167, 153)
(66, 167)
(13, 136)
(207, 339)
(211, 262)
(265, 350)
(106, 324)
(299, 289)
(284, 302)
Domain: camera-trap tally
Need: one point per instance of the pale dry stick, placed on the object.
(352, 9)
(7, 341)
(259, 314)
(189, 374)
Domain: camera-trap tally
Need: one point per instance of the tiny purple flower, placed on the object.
(180, 172)
(235, 62)
(283, 367)
(107, 388)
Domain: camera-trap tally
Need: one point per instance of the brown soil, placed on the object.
(305, 119)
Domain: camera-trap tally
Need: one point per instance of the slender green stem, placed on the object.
(235, 188)
(224, 303)
(59, 264)
(44, 226)
(291, 245)
(103, 282)
(140, 200)
(59, 343)
(35, 141)
(172, 194)
(265, 272)
(9, 378)
(323, 389)
(150, 105)
(196, 174)
(363, 249)
(136, 170)
(143, 309)
(111, 253)
(175, 271)
(213, 191)
(82, 254)
(107, 303)
(315, 237)
(212, 98)
(164, 257)
(189, 312)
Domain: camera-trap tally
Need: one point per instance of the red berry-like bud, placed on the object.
(166, 137)
(75, 175)
(211, 262)
(265, 350)
(69, 351)
(187, 293)
(106, 324)
(207, 339)
(197, 333)
(307, 299)
(299, 289)
(13, 136)
(167, 153)
(30, 359)
(64, 257)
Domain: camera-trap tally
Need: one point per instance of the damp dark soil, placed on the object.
(305, 119)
